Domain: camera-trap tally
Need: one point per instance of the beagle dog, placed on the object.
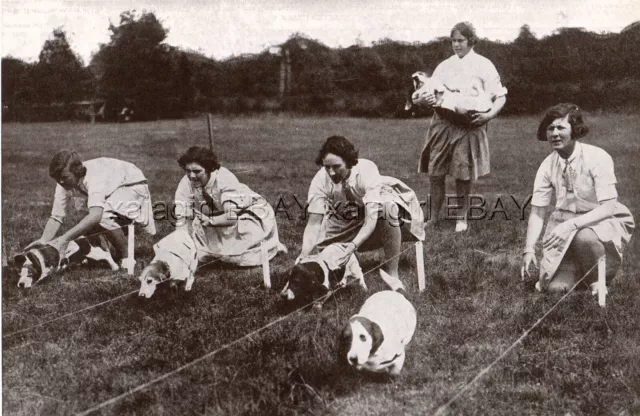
(43, 260)
(175, 261)
(316, 275)
(418, 79)
(460, 101)
(375, 338)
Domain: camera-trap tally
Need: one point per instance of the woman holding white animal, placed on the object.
(349, 202)
(227, 220)
(588, 221)
(454, 147)
(115, 193)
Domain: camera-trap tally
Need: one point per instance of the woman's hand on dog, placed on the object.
(478, 119)
(422, 98)
(59, 243)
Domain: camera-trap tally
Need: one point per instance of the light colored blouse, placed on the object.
(589, 173)
(223, 187)
(470, 71)
(104, 175)
(363, 185)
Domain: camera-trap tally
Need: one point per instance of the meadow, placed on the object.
(580, 360)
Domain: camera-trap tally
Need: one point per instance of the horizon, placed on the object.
(254, 26)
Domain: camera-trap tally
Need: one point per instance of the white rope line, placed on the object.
(223, 347)
(443, 409)
(83, 309)
(64, 316)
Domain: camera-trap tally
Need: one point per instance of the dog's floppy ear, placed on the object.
(35, 261)
(19, 259)
(143, 263)
(377, 337)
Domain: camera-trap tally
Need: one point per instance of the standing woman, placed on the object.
(458, 146)
(588, 221)
(227, 220)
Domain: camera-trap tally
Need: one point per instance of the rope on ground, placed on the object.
(442, 410)
(82, 310)
(223, 347)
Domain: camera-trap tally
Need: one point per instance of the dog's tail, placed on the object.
(393, 282)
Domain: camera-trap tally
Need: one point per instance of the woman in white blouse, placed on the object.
(350, 202)
(226, 219)
(588, 221)
(457, 145)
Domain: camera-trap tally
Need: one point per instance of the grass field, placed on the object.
(580, 360)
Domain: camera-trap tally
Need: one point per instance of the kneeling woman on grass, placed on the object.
(226, 219)
(350, 202)
(588, 221)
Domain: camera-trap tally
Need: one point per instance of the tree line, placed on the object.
(139, 72)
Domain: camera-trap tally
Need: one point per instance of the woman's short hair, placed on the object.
(64, 158)
(578, 128)
(338, 146)
(202, 156)
(467, 30)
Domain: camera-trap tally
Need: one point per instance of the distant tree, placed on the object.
(17, 87)
(135, 69)
(525, 38)
(627, 50)
(59, 74)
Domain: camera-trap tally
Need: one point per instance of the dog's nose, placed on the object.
(353, 360)
(21, 285)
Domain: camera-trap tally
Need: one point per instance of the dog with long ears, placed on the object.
(43, 260)
(317, 275)
(462, 101)
(175, 261)
(375, 338)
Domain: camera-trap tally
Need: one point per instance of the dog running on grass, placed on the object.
(175, 261)
(375, 338)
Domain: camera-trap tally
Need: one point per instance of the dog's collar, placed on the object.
(326, 283)
(395, 357)
(45, 269)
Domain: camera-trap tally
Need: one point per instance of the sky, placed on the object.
(222, 28)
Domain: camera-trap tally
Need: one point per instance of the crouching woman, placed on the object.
(349, 202)
(226, 219)
(588, 222)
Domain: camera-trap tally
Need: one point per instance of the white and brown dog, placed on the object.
(461, 101)
(375, 338)
(43, 260)
(175, 261)
(316, 275)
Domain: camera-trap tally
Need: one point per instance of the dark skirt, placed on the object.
(456, 149)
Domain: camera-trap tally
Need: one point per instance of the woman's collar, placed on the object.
(577, 149)
(212, 178)
(352, 176)
(471, 52)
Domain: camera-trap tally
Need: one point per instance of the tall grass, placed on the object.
(581, 360)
